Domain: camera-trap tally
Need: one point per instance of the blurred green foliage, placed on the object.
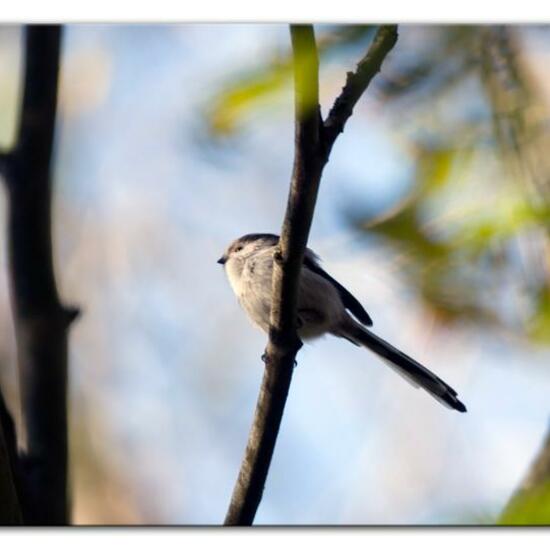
(474, 224)
(482, 253)
(530, 508)
(261, 86)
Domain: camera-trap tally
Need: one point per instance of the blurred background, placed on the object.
(434, 211)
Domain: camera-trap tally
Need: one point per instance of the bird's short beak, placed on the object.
(222, 260)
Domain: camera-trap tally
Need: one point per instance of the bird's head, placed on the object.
(240, 249)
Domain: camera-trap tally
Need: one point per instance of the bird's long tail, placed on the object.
(407, 367)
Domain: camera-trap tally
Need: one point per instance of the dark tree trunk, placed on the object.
(10, 510)
(41, 321)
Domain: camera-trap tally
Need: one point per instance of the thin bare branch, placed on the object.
(357, 82)
(283, 341)
(311, 154)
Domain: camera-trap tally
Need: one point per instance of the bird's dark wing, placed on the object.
(349, 301)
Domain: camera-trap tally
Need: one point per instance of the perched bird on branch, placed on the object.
(324, 307)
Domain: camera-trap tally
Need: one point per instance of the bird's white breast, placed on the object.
(233, 270)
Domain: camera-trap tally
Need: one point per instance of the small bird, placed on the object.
(324, 307)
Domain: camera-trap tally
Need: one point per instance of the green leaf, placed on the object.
(530, 508)
(434, 167)
(538, 327)
(229, 108)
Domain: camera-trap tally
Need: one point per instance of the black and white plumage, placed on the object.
(324, 307)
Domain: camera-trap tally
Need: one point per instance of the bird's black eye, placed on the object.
(239, 248)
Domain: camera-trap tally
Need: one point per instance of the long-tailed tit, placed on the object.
(324, 307)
